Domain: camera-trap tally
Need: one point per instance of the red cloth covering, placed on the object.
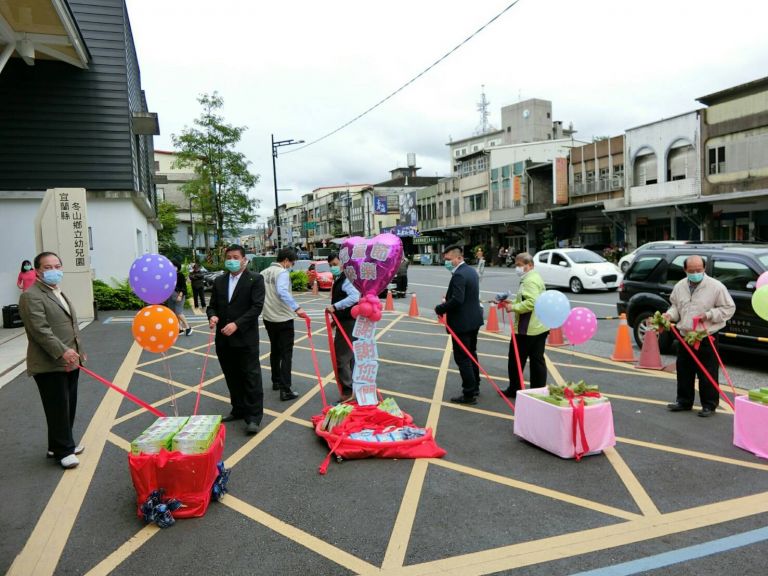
(186, 477)
(370, 417)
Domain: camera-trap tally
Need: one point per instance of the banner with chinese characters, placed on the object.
(366, 362)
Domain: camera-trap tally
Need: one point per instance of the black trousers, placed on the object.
(687, 370)
(530, 348)
(345, 357)
(199, 295)
(281, 336)
(242, 372)
(470, 373)
(58, 391)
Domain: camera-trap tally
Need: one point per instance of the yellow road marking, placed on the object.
(694, 454)
(43, 549)
(117, 557)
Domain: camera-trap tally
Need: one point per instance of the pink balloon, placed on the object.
(365, 309)
(580, 325)
(371, 263)
(762, 280)
(375, 316)
(355, 312)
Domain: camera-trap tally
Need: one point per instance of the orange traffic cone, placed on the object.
(493, 321)
(555, 337)
(389, 305)
(414, 311)
(314, 287)
(650, 357)
(622, 351)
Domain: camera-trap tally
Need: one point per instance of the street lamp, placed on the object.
(275, 146)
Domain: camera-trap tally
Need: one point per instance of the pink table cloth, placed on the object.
(750, 426)
(551, 427)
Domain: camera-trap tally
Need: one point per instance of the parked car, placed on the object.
(209, 277)
(627, 260)
(648, 285)
(316, 269)
(577, 269)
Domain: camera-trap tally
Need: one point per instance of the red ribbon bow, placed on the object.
(578, 419)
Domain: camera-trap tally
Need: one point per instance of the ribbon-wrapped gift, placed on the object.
(749, 424)
(583, 426)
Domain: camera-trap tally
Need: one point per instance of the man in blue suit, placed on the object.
(464, 316)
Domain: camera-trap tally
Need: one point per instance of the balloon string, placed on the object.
(170, 386)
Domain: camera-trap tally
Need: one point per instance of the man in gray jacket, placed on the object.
(54, 354)
(703, 303)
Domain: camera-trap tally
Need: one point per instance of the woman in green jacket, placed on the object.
(531, 334)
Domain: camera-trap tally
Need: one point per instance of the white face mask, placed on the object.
(520, 270)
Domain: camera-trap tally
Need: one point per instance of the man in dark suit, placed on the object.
(54, 354)
(233, 310)
(464, 316)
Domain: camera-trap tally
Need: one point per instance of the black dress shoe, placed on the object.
(509, 393)
(288, 395)
(707, 412)
(677, 407)
(464, 399)
(275, 386)
(231, 418)
(251, 428)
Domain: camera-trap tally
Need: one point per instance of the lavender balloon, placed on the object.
(152, 278)
(371, 263)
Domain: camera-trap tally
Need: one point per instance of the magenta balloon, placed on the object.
(152, 278)
(371, 263)
(762, 280)
(375, 316)
(580, 325)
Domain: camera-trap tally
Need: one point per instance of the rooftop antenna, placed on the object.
(482, 107)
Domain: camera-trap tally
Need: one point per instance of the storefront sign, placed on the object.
(560, 181)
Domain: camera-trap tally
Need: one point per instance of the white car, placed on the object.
(577, 269)
(626, 261)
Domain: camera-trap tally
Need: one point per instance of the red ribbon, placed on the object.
(315, 362)
(464, 348)
(202, 375)
(514, 345)
(125, 393)
(578, 420)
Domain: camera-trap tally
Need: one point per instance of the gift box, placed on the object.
(749, 426)
(158, 436)
(188, 478)
(197, 434)
(550, 426)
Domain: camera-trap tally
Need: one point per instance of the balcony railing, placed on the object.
(602, 185)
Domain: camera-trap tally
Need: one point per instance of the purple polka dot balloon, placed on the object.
(152, 278)
(580, 326)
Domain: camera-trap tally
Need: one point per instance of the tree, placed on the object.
(166, 237)
(220, 189)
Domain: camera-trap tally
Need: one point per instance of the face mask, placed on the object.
(336, 271)
(52, 277)
(27, 267)
(232, 265)
(520, 270)
(449, 265)
(696, 277)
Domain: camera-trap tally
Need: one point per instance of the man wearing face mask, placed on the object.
(531, 334)
(279, 311)
(344, 295)
(54, 354)
(698, 302)
(464, 316)
(233, 311)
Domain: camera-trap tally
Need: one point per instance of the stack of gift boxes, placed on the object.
(759, 395)
(192, 435)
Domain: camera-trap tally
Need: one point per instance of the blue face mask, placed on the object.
(336, 271)
(53, 277)
(449, 265)
(27, 267)
(232, 265)
(696, 277)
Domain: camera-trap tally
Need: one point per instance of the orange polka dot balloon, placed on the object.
(155, 328)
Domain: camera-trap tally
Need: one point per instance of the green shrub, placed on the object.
(120, 297)
(299, 281)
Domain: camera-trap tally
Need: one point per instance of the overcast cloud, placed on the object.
(300, 69)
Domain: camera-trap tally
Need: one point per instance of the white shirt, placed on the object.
(233, 284)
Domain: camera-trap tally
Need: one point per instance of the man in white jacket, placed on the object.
(703, 303)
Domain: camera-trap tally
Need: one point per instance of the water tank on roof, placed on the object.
(411, 159)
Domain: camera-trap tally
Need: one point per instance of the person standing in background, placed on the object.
(54, 355)
(177, 299)
(27, 276)
(344, 295)
(196, 279)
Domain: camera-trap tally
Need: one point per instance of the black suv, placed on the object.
(648, 285)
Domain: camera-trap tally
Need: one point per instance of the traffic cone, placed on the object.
(414, 311)
(650, 357)
(555, 337)
(389, 305)
(622, 351)
(314, 287)
(493, 321)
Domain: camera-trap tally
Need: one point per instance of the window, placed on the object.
(482, 164)
(456, 206)
(476, 202)
(717, 160)
(734, 275)
(642, 267)
(549, 115)
(543, 257)
(559, 260)
(440, 210)
(505, 171)
(447, 208)
(676, 270)
(160, 194)
(494, 173)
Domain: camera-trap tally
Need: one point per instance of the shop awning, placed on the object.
(40, 30)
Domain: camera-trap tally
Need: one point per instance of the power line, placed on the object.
(411, 81)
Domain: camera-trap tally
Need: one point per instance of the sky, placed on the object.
(300, 69)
